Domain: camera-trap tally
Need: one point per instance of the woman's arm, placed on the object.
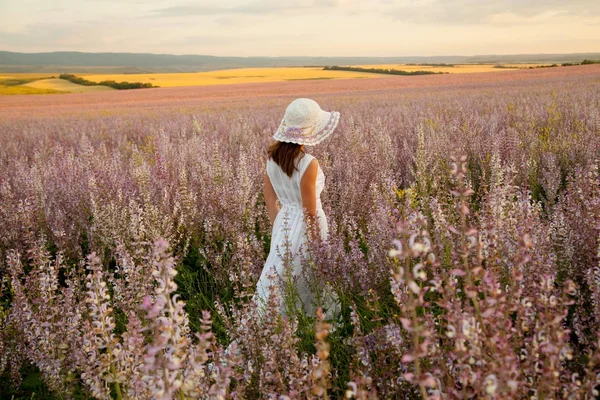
(270, 199)
(309, 198)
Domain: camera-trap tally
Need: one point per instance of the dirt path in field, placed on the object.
(22, 106)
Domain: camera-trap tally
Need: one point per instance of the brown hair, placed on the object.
(284, 154)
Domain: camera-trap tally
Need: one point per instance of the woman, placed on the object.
(294, 179)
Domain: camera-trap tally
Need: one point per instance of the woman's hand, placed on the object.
(309, 199)
(271, 200)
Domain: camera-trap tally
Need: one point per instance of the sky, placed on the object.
(302, 27)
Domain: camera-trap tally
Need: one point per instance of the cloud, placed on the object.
(85, 35)
(205, 40)
(510, 18)
(44, 34)
(468, 12)
(256, 7)
(309, 27)
(455, 11)
(434, 12)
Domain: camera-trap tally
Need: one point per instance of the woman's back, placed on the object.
(288, 188)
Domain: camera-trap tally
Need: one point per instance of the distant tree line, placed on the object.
(433, 64)
(544, 66)
(113, 84)
(584, 62)
(501, 66)
(382, 71)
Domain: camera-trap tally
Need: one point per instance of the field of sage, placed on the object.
(464, 249)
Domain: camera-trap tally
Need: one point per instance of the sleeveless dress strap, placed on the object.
(304, 163)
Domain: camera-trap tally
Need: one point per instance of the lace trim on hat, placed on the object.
(329, 124)
(293, 132)
(299, 136)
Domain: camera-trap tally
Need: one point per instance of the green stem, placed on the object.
(117, 386)
(465, 257)
(113, 371)
(416, 346)
(415, 336)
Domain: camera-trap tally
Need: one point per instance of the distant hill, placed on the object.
(534, 58)
(78, 62)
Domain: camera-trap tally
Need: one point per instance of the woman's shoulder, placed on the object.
(308, 157)
(306, 162)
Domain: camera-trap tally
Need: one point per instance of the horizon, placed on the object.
(305, 56)
(320, 28)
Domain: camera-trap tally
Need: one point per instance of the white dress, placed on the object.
(289, 229)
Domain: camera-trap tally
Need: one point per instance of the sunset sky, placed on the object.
(302, 27)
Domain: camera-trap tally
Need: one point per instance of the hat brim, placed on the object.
(310, 135)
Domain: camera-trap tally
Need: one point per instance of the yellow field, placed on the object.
(65, 86)
(457, 69)
(223, 77)
(249, 75)
(42, 83)
(20, 89)
(14, 84)
(25, 76)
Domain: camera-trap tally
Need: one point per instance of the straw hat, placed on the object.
(305, 123)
